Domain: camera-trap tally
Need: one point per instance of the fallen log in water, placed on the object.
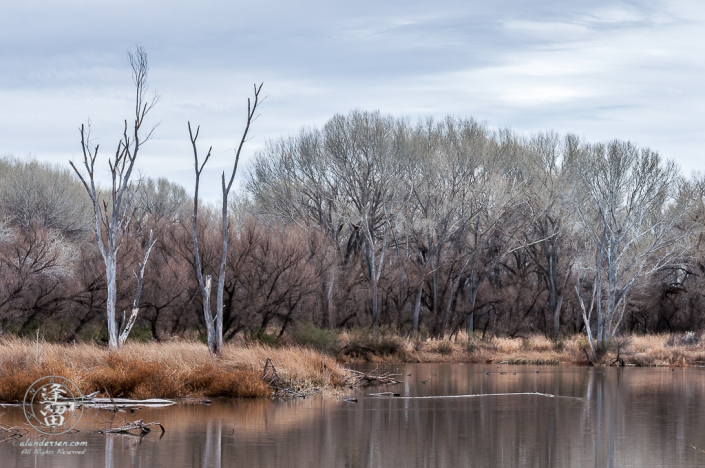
(118, 404)
(482, 395)
(158, 402)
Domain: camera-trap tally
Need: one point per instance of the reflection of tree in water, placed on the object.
(127, 443)
(212, 453)
(639, 417)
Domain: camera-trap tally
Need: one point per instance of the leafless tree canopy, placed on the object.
(370, 221)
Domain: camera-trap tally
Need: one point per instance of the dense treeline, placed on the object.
(374, 221)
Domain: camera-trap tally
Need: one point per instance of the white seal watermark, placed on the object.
(52, 405)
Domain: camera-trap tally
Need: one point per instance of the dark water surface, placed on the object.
(602, 417)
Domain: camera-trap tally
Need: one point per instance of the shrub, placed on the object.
(262, 337)
(385, 342)
(315, 337)
(444, 347)
(470, 347)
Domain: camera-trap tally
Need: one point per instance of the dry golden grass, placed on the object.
(161, 370)
(649, 350)
(181, 369)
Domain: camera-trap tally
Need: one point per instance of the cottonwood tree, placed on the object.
(366, 156)
(291, 182)
(347, 179)
(493, 210)
(632, 207)
(546, 237)
(435, 215)
(112, 213)
(214, 324)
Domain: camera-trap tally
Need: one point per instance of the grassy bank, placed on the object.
(387, 346)
(163, 370)
(184, 369)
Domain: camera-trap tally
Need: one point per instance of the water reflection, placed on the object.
(600, 417)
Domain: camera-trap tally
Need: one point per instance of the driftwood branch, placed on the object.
(115, 408)
(372, 378)
(133, 426)
(11, 432)
(281, 387)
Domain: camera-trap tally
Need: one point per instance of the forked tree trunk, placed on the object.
(113, 218)
(214, 324)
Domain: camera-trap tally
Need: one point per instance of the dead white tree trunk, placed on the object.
(204, 284)
(251, 109)
(214, 324)
(586, 318)
(126, 327)
(113, 217)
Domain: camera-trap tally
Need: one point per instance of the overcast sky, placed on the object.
(632, 70)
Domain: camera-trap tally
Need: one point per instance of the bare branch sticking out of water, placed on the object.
(133, 426)
(11, 432)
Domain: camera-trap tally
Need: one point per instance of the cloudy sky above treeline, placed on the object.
(630, 70)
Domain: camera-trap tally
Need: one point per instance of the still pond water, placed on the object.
(604, 417)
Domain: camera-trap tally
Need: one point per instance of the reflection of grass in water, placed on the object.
(166, 370)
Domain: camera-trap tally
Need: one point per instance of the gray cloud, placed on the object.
(628, 70)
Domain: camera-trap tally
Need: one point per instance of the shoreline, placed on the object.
(658, 350)
(167, 370)
(184, 370)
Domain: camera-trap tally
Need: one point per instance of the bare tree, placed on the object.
(633, 210)
(214, 324)
(291, 181)
(492, 208)
(33, 191)
(366, 156)
(113, 215)
(547, 195)
(443, 180)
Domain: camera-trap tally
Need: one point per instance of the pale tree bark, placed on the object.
(203, 283)
(587, 314)
(365, 154)
(214, 323)
(348, 179)
(126, 326)
(251, 110)
(112, 218)
(633, 209)
(496, 214)
(446, 186)
(374, 268)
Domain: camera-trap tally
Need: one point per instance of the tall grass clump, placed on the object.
(162, 370)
